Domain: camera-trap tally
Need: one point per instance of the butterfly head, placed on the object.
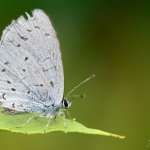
(65, 103)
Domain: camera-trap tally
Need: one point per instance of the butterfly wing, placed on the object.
(31, 71)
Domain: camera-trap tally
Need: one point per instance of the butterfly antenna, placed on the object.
(89, 78)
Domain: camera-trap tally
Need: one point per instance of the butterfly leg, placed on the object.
(27, 121)
(48, 123)
(64, 120)
(68, 114)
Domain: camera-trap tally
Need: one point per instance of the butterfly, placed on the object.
(31, 70)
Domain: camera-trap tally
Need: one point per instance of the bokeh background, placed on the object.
(112, 40)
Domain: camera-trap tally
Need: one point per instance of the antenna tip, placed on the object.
(93, 75)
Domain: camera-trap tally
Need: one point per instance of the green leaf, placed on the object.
(37, 125)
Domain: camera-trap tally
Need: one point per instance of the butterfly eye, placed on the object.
(65, 103)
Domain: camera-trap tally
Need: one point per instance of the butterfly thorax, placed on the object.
(52, 110)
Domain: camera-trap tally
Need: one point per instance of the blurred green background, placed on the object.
(112, 40)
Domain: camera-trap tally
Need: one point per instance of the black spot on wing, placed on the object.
(46, 58)
(55, 68)
(39, 85)
(13, 89)
(28, 92)
(37, 27)
(6, 63)
(13, 105)
(45, 70)
(29, 30)
(23, 38)
(8, 82)
(47, 34)
(26, 58)
(52, 83)
(3, 70)
(3, 95)
(18, 45)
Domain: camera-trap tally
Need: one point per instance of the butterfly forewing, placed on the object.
(31, 72)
